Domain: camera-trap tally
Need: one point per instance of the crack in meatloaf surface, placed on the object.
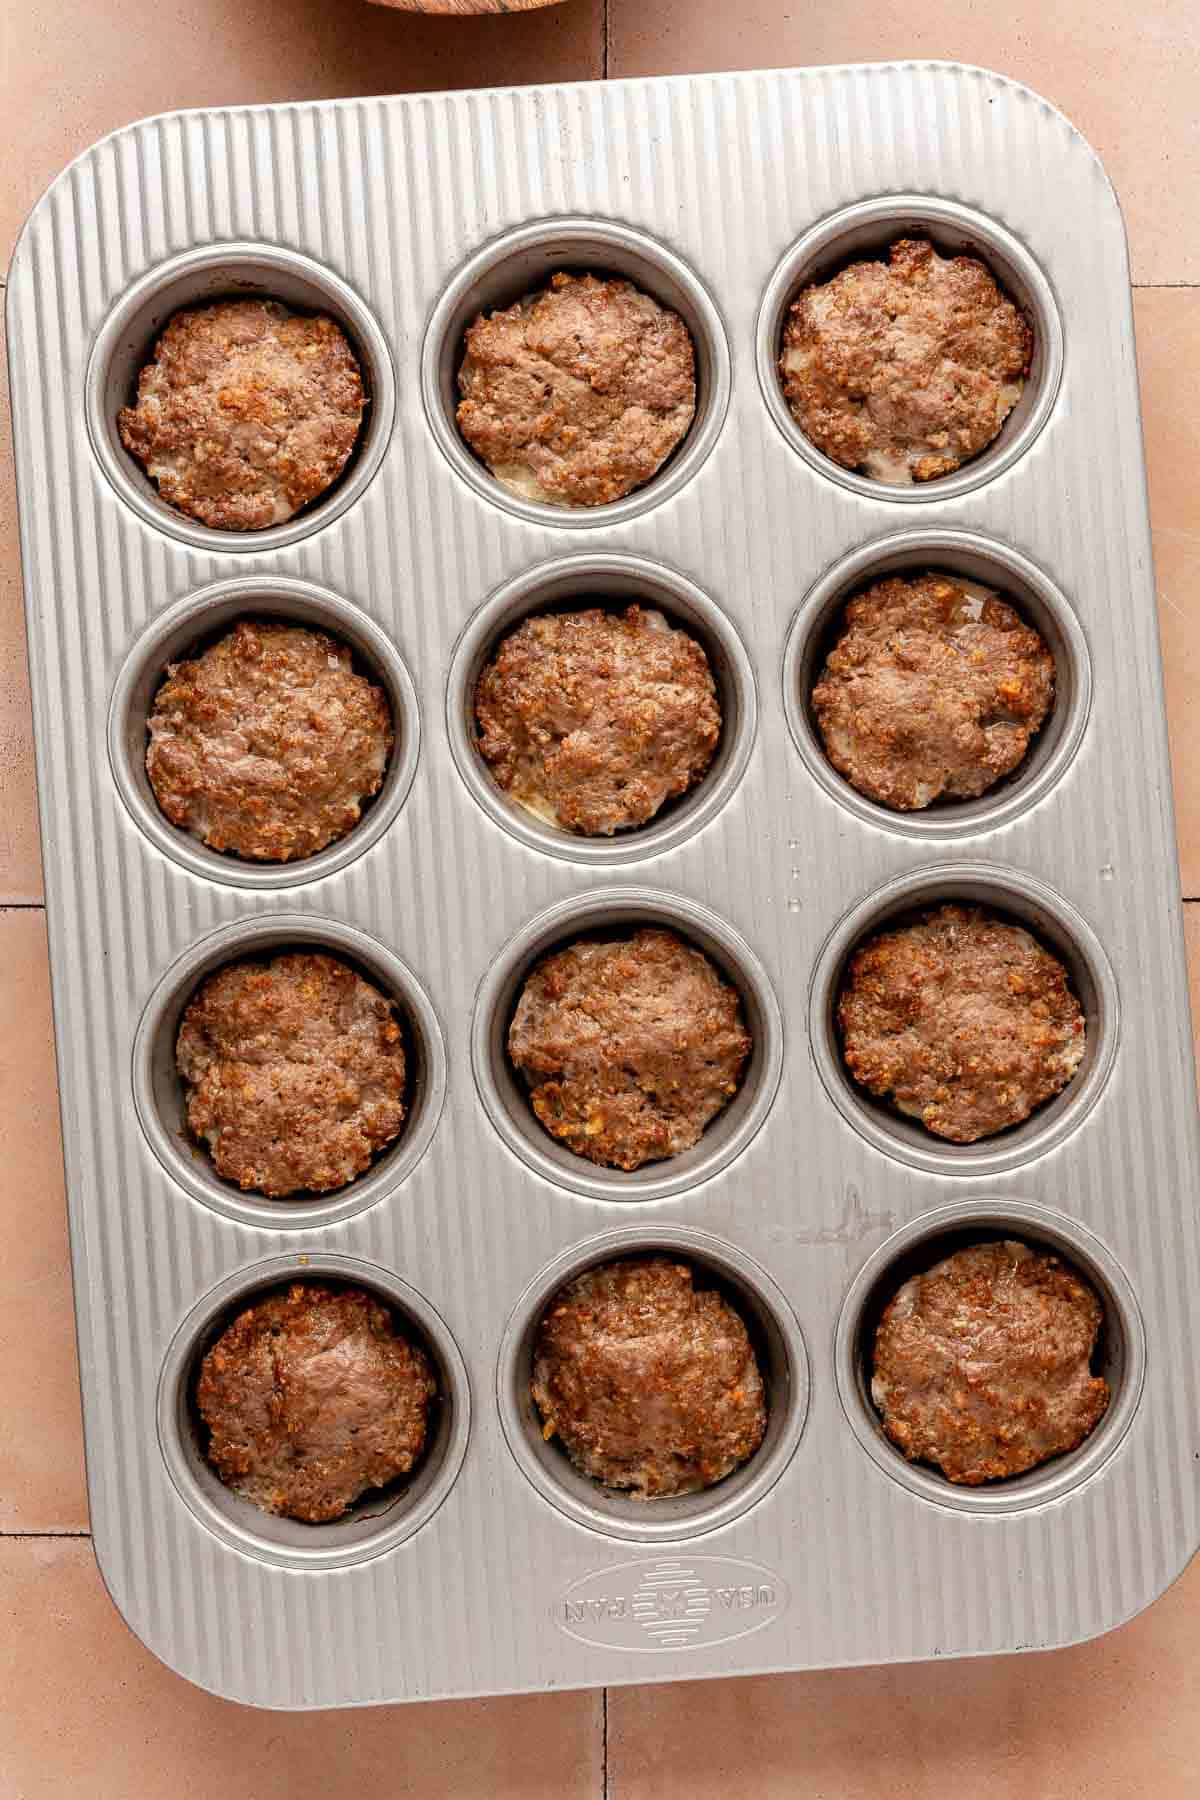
(982, 1365)
(591, 720)
(295, 1072)
(268, 742)
(629, 1048)
(905, 369)
(962, 1019)
(933, 691)
(311, 1398)
(578, 393)
(246, 413)
(650, 1383)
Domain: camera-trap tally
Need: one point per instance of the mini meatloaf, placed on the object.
(246, 413)
(311, 1398)
(932, 692)
(905, 369)
(983, 1365)
(579, 393)
(267, 744)
(650, 1382)
(591, 720)
(629, 1048)
(294, 1070)
(962, 1019)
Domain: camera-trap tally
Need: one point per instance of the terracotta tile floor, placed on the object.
(85, 1710)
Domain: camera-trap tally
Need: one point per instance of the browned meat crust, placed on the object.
(629, 1048)
(651, 1384)
(268, 742)
(962, 1019)
(577, 394)
(983, 1365)
(295, 1072)
(933, 691)
(246, 413)
(311, 1398)
(905, 369)
(591, 720)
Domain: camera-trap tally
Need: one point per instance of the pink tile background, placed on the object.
(83, 1709)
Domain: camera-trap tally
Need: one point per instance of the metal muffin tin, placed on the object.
(496, 1567)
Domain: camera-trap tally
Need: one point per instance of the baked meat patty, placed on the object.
(629, 1048)
(246, 413)
(313, 1397)
(268, 742)
(983, 1365)
(578, 393)
(962, 1019)
(905, 369)
(591, 720)
(650, 1382)
(295, 1072)
(933, 691)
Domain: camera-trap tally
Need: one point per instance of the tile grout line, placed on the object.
(24, 1537)
(604, 1787)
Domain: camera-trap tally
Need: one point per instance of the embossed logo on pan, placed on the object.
(671, 1603)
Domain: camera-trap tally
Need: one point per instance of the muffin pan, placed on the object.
(495, 1566)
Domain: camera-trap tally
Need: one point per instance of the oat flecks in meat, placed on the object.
(933, 691)
(962, 1019)
(295, 1072)
(312, 1398)
(268, 742)
(246, 413)
(578, 393)
(905, 369)
(650, 1382)
(629, 1048)
(591, 720)
(982, 1365)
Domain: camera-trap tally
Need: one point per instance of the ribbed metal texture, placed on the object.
(394, 195)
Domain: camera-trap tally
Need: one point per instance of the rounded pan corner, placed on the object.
(1161, 1587)
(134, 1626)
(235, 1696)
(61, 179)
(1023, 88)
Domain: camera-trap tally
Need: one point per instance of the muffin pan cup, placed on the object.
(968, 556)
(1120, 1352)
(209, 272)
(1023, 900)
(613, 581)
(159, 1092)
(863, 233)
(778, 1345)
(519, 263)
(381, 1518)
(187, 628)
(496, 1567)
(617, 912)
